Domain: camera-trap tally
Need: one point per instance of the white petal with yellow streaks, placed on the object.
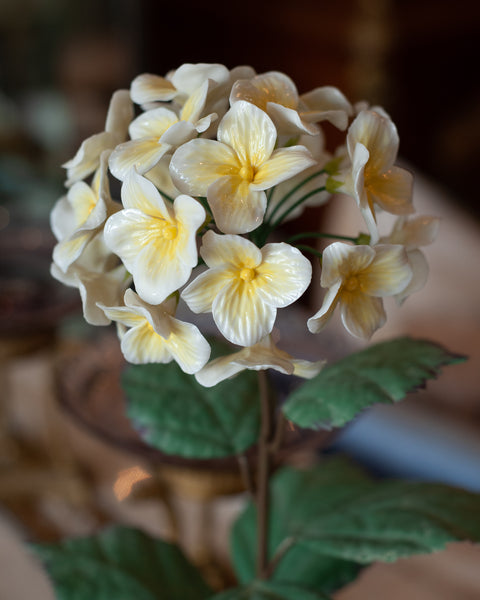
(283, 276)
(389, 273)
(250, 132)
(142, 154)
(152, 123)
(139, 193)
(231, 250)
(235, 206)
(363, 315)
(283, 164)
(200, 294)
(147, 88)
(188, 346)
(241, 316)
(199, 163)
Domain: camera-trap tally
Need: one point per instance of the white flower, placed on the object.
(264, 355)
(157, 131)
(413, 232)
(80, 215)
(234, 171)
(244, 285)
(178, 85)
(155, 240)
(98, 276)
(87, 158)
(276, 94)
(357, 278)
(155, 336)
(372, 142)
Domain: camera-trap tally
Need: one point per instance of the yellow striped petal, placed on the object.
(142, 155)
(250, 132)
(242, 317)
(283, 164)
(235, 206)
(199, 163)
(388, 274)
(151, 88)
(362, 315)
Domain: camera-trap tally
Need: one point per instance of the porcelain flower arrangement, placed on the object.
(210, 164)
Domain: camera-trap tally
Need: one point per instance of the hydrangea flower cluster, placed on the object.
(211, 162)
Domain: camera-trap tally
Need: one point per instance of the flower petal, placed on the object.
(188, 346)
(250, 132)
(388, 274)
(152, 123)
(362, 315)
(420, 230)
(68, 250)
(326, 103)
(87, 158)
(289, 122)
(235, 206)
(142, 154)
(218, 370)
(379, 135)
(273, 86)
(341, 260)
(140, 193)
(224, 250)
(283, 275)
(318, 321)
(243, 318)
(199, 163)
(392, 191)
(189, 77)
(120, 114)
(141, 345)
(151, 88)
(200, 294)
(283, 164)
(419, 266)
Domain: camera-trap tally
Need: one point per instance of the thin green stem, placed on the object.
(164, 195)
(310, 250)
(294, 206)
(292, 191)
(263, 468)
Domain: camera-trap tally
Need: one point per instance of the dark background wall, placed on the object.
(418, 58)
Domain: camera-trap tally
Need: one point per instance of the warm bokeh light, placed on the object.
(126, 479)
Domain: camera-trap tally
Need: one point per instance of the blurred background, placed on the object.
(59, 64)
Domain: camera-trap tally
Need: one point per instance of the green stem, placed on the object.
(294, 206)
(310, 250)
(263, 468)
(292, 191)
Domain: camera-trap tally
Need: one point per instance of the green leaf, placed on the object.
(268, 590)
(123, 564)
(297, 498)
(337, 513)
(175, 414)
(384, 373)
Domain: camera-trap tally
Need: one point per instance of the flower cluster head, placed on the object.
(210, 163)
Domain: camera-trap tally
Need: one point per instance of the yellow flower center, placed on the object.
(247, 274)
(247, 172)
(169, 231)
(352, 284)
